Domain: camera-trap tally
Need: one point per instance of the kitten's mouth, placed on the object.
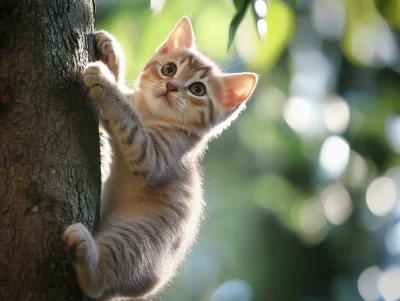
(165, 96)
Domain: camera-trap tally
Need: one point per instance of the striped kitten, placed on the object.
(152, 201)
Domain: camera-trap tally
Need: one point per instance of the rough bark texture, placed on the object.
(49, 144)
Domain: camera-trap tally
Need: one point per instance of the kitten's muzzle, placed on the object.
(171, 88)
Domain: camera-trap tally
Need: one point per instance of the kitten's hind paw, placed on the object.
(80, 245)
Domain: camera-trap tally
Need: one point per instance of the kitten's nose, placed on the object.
(171, 88)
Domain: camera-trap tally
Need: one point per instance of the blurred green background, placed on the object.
(302, 189)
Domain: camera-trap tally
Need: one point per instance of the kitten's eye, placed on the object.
(169, 69)
(197, 89)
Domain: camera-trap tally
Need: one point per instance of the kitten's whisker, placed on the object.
(187, 121)
(189, 111)
(182, 114)
(155, 88)
(175, 115)
(185, 114)
(182, 102)
(140, 69)
(237, 64)
(151, 80)
(153, 85)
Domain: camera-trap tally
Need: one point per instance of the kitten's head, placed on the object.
(181, 85)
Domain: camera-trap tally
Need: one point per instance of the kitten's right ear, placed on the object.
(181, 36)
(238, 88)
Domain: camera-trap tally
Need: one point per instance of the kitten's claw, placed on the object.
(110, 51)
(79, 244)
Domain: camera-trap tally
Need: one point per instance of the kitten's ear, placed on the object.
(181, 36)
(238, 88)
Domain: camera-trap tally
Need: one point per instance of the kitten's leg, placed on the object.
(132, 256)
(125, 259)
(148, 152)
(139, 145)
(84, 253)
(111, 54)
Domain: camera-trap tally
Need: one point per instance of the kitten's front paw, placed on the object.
(97, 78)
(110, 52)
(79, 244)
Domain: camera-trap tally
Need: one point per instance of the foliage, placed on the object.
(241, 8)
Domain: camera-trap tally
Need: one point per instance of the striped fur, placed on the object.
(152, 201)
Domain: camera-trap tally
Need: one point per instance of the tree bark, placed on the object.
(49, 144)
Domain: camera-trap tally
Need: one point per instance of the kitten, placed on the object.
(152, 202)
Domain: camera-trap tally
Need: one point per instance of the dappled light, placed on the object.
(261, 8)
(357, 171)
(381, 196)
(392, 129)
(337, 204)
(329, 18)
(388, 283)
(392, 240)
(336, 115)
(334, 156)
(262, 27)
(298, 114)
(312, 220)
(157, 6)
(233, 290)
(368, 283)
(374, 44)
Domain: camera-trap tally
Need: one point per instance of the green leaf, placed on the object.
(261, 54)
(390, 10)
(239, 3)
(237, 19)
(214, 18)
(294, 2)
(364, 16)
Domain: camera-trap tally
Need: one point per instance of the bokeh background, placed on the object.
(303, 188)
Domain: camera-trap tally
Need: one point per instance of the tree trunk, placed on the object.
(49, 144)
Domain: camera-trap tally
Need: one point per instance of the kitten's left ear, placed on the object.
(238, 88)
(181, 36)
